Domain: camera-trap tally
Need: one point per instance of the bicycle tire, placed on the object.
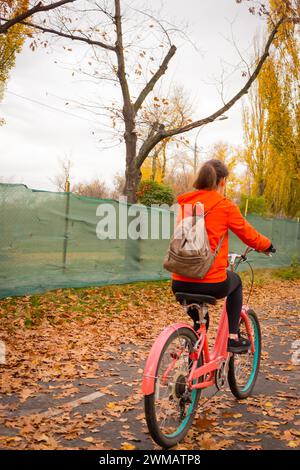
(244, 392)
(163, 440)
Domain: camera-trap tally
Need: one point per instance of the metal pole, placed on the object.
(66, 235)
(246, 207)
(195, 158)
(196, 152)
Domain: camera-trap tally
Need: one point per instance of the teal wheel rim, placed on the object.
(255, 357)
(186, 419)
(174, 401)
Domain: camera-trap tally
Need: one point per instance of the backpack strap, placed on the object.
(219, 246)
(194, 213)
(222, 237)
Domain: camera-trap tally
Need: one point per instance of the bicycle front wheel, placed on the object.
(171, 408)
(243, 368)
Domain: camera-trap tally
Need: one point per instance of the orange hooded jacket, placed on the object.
(225, 215)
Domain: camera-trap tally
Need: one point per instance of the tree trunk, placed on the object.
(260, 186)
(132, 179)
(132, 174)
(164, 164)
(129, 113)
(154, 166)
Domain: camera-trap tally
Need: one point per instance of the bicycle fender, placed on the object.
(153, 358)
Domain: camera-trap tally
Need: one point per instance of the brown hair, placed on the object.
(210, 174)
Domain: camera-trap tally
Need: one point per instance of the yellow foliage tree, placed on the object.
(280, 165)
(11, 43)
(153, 168)
(230, 156)
(271, 122)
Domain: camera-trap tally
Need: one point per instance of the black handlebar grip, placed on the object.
(271, 249)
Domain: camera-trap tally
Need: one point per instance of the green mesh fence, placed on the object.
(53, 240)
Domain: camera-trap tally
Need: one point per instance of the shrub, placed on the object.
(152, 192)
(256, 204)
(292, 272)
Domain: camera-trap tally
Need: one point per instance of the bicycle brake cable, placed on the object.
(252, 280)
(245, 260)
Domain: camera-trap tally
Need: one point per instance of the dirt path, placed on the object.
(64, 388)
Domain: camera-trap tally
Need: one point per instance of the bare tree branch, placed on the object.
(71, 36)
(128, 110)
(149, 144)
(150, 85)
(156, 21)
(26, 14)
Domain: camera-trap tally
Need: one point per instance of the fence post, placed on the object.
(246, 207)
(66, 235)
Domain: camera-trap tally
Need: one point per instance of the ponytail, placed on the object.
(210, 174)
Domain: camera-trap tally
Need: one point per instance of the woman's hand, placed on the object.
(271, 249)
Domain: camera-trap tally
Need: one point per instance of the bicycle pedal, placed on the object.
(243, 352)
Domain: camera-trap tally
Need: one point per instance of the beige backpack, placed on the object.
(189, 252)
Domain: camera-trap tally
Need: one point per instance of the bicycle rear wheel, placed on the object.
(170, 410)
(243, 368)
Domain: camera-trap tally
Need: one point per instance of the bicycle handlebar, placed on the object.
(243, 257)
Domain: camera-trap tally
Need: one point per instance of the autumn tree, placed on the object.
(255, 153)
(62, 179)
(180, 172)
(13, 32)
(118, 186)
(96, 188)
(282, 104)
(13, 12)
(105, 27)
(271, 121)
(229, 155)
(10, 43)
(176, 110)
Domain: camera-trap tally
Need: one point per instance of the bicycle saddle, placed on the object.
(195, 298)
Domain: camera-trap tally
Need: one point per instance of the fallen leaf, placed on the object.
(127, 446)
(88, 439)
(294, 444)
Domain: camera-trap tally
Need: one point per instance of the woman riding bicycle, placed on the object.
(222, 214)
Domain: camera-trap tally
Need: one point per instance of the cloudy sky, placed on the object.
(41, 129)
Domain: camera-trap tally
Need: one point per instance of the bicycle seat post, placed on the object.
(201, 309)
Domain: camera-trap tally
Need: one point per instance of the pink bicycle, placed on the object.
(180, 366)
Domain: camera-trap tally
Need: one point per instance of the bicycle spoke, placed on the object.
(171, 385)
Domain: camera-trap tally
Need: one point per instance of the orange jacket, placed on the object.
(226, 215)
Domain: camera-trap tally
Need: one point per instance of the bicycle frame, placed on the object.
(215, 360)
(211, 361)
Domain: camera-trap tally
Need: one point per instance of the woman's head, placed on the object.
(212, 175)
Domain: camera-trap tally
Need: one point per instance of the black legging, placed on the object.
(231, 287)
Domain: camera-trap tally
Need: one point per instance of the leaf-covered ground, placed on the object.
(68, 344)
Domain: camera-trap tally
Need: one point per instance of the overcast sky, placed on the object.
(35, 137)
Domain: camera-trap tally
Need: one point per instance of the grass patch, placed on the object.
(264, 276)
(35, 301)
(66, 305)
(288, 274)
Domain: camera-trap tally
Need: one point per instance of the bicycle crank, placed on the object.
(221, 374)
